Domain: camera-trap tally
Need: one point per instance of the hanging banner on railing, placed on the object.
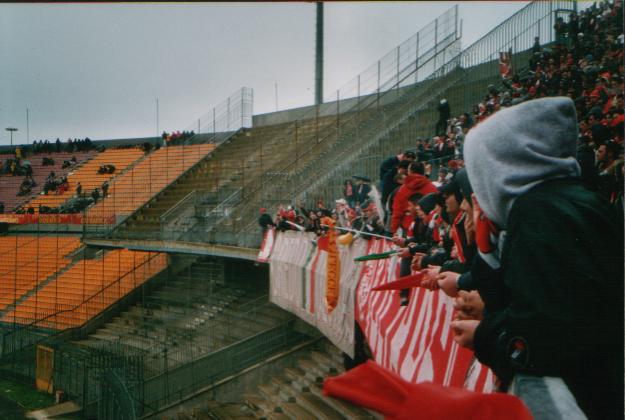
(298, 284)
(333, 264)
(414, 341)
(266, 246)
(9, 218)
(69, 219)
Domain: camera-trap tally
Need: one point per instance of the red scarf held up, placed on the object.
(371, 386)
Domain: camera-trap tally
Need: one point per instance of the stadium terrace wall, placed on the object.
(107, 144)
(325, 109)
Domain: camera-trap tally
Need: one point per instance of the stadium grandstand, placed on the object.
(136, 282)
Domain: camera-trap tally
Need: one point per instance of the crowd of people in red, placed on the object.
(523, 226)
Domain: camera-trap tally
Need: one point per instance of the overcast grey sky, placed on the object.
(96, 69)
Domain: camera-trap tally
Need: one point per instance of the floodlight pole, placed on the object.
(319, 56)
(11, 130)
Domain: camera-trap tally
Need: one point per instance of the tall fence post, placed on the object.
(228, 116)
(338, 113)
(242, 107)
(435, 42)
(378, 97)
(398, 68)
(297, 143)
(416, 61)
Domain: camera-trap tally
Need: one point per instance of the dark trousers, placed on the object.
(404, 270)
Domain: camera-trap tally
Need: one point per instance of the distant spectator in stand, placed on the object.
(348, 193)
(362, 190)
(392, 162)
(536, 47)
(264, 220)
(389, 182)
(444, 112)
(95, 194)
(78, 189)
(105, 189)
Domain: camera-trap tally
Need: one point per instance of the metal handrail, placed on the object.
(32, 324)
(321, 160)
(163, 217)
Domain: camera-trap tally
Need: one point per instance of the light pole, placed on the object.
(11, 130)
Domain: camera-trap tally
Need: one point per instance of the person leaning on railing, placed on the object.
(555, 307)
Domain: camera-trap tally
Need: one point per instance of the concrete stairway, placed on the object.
(298, 392)
(295, 393)
(189, 316)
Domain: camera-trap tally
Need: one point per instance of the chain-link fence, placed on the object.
(360, 131)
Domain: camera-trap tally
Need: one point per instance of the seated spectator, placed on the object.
(105, 189)
(106, 169)
(62, 185)
(78, 189)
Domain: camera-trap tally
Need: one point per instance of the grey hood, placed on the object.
(518, 148)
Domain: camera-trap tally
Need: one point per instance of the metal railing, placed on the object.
(290, 149)
(46, 322)
(317, 127)
(479, 64)
(173, 385)
(232, 114)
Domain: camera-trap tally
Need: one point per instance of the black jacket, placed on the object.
(265, 221)
(560, 310)
(387, 165)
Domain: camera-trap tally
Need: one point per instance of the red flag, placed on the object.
(406, 282)
(376, 388)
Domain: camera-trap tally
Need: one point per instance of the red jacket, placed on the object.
(413, 184)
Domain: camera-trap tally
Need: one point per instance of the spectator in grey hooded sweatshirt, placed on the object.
(560, 308)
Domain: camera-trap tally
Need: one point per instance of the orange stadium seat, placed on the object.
(10, 185)
(88, 175)
(87, 288)
(137, 186)
(26, 261)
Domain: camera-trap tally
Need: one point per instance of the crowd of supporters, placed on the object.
(523, 225)
(176, 137)
(71, 146)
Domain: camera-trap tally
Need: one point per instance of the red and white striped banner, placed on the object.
(414, 341)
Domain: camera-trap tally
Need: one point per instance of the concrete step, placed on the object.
(327, 362)
(346, 409)
(314, 404)
(311, 370)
